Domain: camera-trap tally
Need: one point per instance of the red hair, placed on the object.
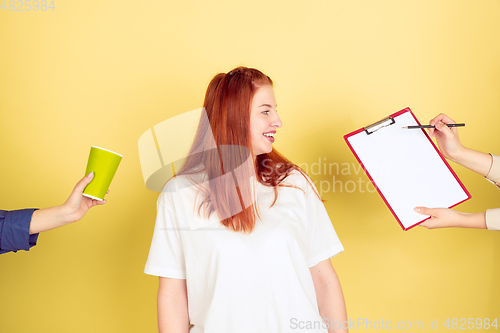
(227, 104)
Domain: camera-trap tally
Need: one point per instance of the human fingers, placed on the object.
(427, 224)
(431, 130)
(80, 186)
(448, 133)
(97, 202)
(441, 118)
(426, 211)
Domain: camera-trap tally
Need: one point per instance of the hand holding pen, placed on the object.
(446, 137)
(432, 126)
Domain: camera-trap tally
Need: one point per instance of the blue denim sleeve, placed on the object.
(15, 230)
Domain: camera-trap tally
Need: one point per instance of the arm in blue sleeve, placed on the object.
(15, 230)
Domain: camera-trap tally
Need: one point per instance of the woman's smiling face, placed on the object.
(264, 120)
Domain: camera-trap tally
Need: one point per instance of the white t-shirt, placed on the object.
(258, 282)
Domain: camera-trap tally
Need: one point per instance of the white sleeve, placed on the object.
(494, 173)
(493, 219)
(166, 257)
(323, 240)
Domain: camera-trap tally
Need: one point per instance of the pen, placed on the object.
(432, 126)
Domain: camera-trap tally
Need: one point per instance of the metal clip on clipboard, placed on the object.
(378, 125)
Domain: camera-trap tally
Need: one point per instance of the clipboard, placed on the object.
(406, 167)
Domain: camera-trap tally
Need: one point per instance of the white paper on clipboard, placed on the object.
(406, 168)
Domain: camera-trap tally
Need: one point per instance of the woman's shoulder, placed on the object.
(180, 185)
(297, 176)
(180, 182)
(300, 180)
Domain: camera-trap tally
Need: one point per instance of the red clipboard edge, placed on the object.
(346, 138)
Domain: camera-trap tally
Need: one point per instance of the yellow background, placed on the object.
(103, 72)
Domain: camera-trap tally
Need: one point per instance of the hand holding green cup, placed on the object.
(104, 164)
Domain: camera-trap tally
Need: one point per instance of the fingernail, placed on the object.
(417, 210)
(91, 174)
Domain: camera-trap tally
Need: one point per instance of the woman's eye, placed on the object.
(265, 112)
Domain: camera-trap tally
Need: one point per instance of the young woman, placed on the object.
(242, 241)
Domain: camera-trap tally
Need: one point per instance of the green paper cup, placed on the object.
(104, 164)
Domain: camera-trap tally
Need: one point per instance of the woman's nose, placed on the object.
(277, 121)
